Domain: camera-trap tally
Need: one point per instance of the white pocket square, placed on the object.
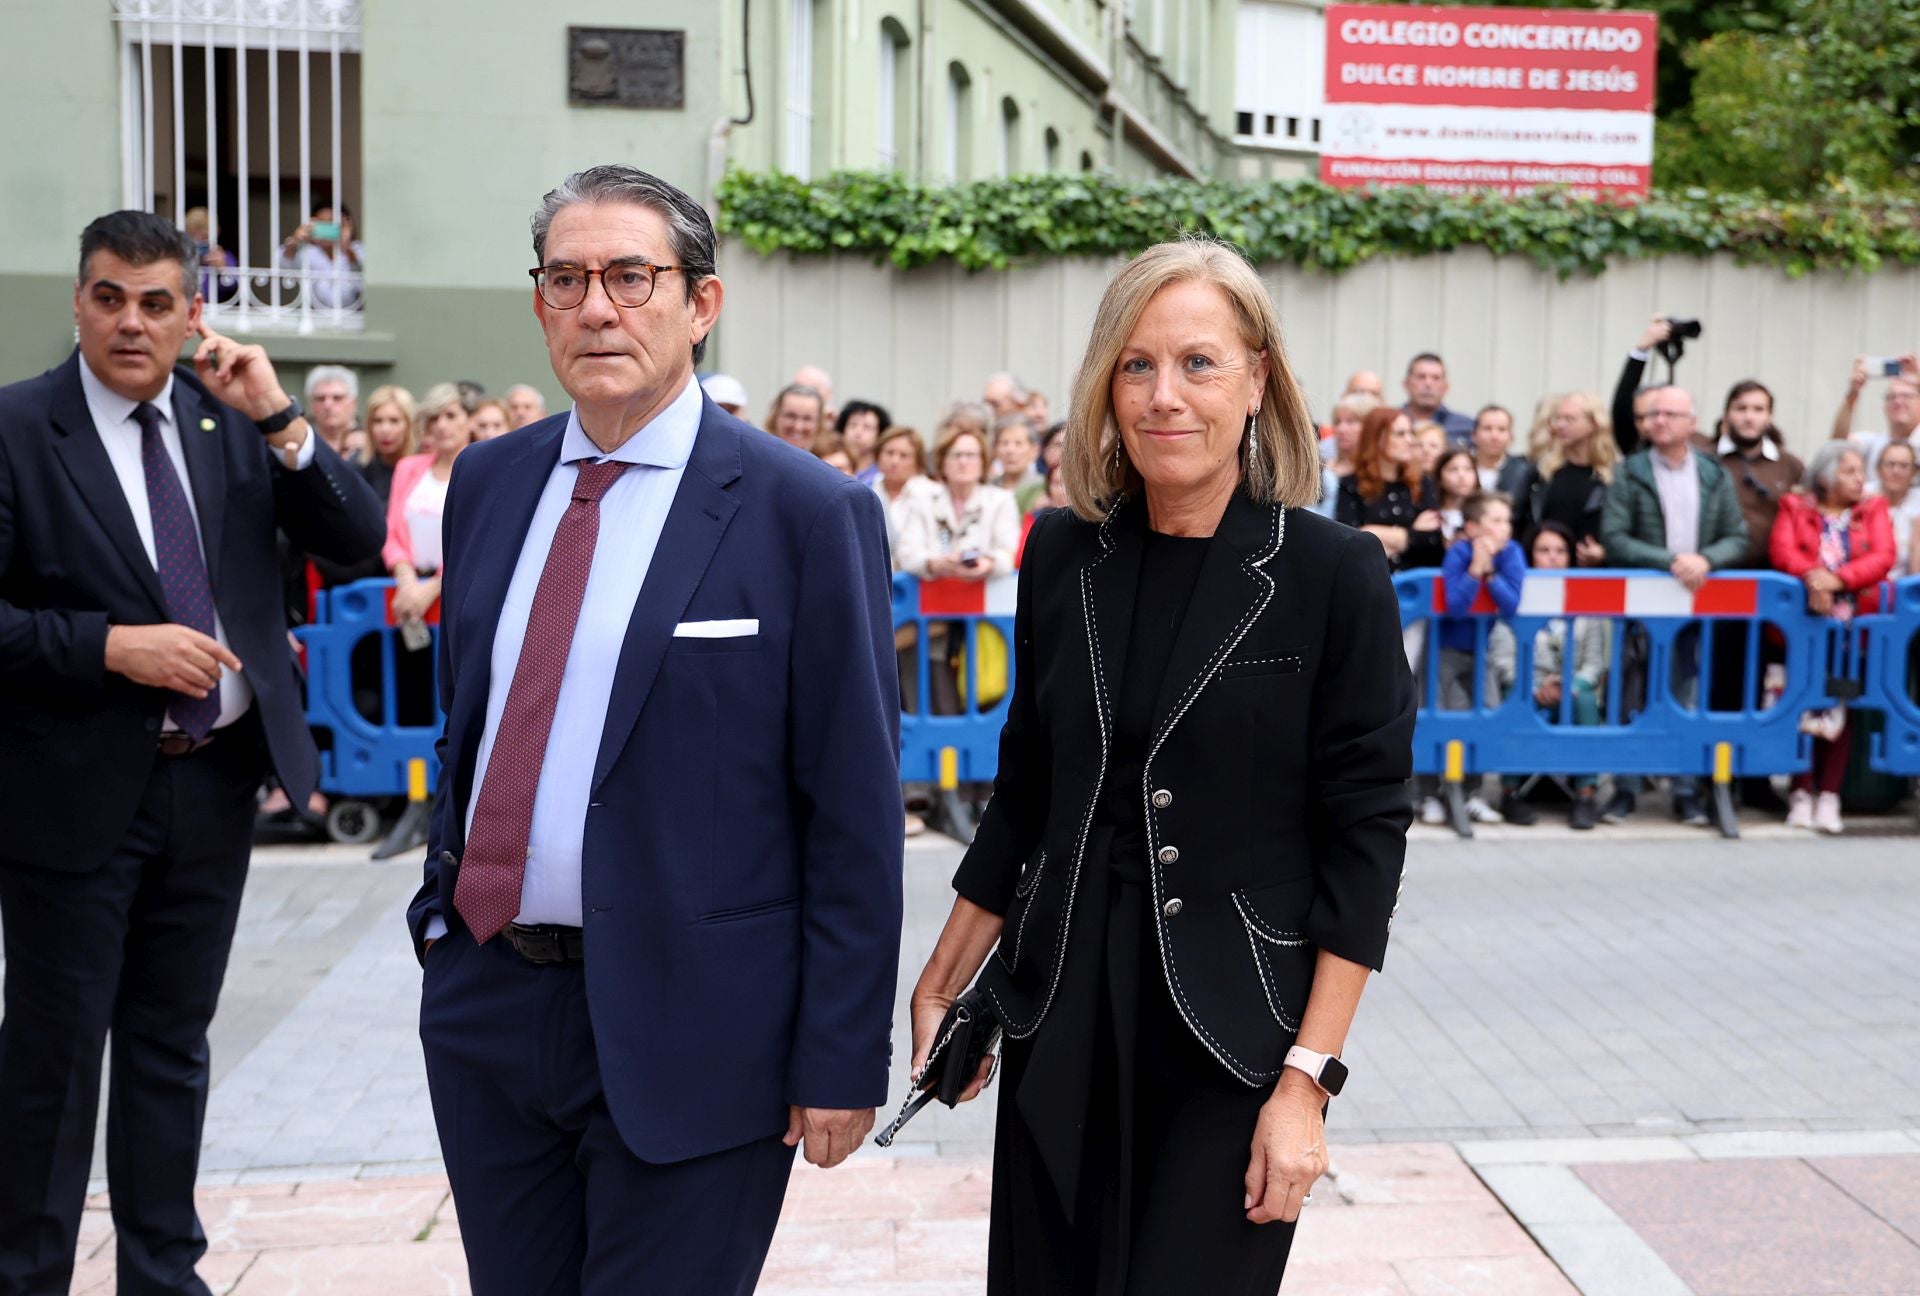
(717, 629)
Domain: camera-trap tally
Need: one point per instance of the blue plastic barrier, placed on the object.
(947, 750)
(362, 756)
(1674, 731)
(1891, 676)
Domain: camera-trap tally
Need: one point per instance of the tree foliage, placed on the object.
(994, 223)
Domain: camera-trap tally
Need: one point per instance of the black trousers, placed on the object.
(135, 949)
(551, 1200)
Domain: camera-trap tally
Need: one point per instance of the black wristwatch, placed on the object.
(1326, 1070)
(279, 422)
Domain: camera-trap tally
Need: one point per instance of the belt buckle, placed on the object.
(533, 944)
(176, 742)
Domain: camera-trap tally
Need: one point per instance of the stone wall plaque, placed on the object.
(626, 67)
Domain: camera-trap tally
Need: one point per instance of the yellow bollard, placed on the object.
(1723, 762)
(1456, 761)
(949, 769)
(416, 779)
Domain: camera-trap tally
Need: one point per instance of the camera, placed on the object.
(1680, 331)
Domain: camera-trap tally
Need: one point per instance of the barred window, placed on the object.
(241, 123)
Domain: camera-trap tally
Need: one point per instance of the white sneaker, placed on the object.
(1799, 809)
(1826, 814)
(1480, 812)
(1432, 812)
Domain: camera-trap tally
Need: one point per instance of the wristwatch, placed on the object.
(278, 422)
(1324, 1069)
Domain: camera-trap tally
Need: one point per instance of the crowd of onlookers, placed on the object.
(1634, 482)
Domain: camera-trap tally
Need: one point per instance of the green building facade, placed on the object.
(440, 123)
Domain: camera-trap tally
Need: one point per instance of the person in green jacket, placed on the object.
(1672, 509)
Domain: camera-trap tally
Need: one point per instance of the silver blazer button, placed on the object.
(1169, 855)
(1173, 907)
(1162, 799)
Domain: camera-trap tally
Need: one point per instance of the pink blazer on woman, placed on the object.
(406, 475)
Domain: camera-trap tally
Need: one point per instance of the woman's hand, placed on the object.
(942, 566)
(410, 602)
(1392, 538)
(1428, 520)
(1819, 601)
(977, 570)
(1548, 694)
(929, 1010)
(1289, 1150)
(1819, 578)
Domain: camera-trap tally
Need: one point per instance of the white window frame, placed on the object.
(272, 297)
(799, 155)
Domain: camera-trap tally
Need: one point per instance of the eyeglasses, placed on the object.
(628, 284)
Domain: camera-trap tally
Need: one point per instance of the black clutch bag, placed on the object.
(966, 1035)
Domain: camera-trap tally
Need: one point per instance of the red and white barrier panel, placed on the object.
(992, 597)
(1629, 596)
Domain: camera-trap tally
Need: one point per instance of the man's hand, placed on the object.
(1658, 331)
(240, 376)
(174, 657)
(831, 1133)
(1548, 694)
(1857, 378)
(1589, 552)
(1690, 570)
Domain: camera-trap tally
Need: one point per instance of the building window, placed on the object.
(1052, 149)
(249, 112)
(959, 157)
(800, 88)
(1009, 137)
(1086, 160)
(893, 70)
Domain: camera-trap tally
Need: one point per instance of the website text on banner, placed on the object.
(1506, 100)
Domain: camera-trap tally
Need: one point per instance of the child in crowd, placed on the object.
(1483, 558)
(1551, 549)
(1454, 479)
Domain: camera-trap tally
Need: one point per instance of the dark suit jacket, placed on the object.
(741, 872)
(76, 743)
(1275, 796)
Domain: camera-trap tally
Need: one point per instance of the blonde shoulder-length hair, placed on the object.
(1603, 451)
(1095, 463)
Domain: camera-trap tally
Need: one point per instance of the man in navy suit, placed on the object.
(146, 686)
(661, 913)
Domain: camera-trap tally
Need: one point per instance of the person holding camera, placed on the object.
(327, 258)
(1900, 402)
(1665, 334)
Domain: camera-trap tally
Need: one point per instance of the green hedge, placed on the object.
(994, 223)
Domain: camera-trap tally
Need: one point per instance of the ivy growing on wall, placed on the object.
(992, 224)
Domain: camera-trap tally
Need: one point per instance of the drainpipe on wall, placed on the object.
(719, 137)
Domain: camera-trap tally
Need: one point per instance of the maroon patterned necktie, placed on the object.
(488, 892)
(181, 566)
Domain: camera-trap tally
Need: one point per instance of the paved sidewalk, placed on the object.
(1397, 1221)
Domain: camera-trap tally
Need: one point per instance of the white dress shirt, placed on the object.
(632, 514)
(1679, 490)
(120, 434)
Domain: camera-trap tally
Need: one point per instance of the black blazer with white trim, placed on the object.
(1274, 790)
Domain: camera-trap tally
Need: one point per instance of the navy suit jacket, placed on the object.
(741, 869)
(77, 743)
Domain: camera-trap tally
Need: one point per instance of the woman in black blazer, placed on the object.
(1386, 494)
(1193, 851)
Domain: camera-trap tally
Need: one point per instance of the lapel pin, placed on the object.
(206, 425)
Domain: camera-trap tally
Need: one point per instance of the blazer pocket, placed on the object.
(739, 912)
(1289, 662)
(682, 646)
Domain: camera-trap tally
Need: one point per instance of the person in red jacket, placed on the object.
(1839, 541)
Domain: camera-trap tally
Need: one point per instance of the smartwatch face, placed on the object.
(1333, 1075)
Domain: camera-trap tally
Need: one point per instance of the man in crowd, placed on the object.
(524, 405)
(661, 914)
(146, 687)
(1004, 394)
(328, 257)
(1900, 404)
(1673, 509)
(821, 381)
(1628, 403)
(1426, 386)
(1365, 381)
(333, 404)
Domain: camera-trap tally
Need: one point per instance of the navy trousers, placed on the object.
(136, 948)
(551, 1201)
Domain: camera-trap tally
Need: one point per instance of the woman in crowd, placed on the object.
(1052, 443)
(1571, 474)
(1386, 494)
(392, 423)
(1839, 542)
(1491, 438)
(1015, 456)
(966, 529)
(797, 415)
(412, 552)
(830, 448)
(1551, 549)
(1896, 472)
(860, 424)
(1197, 829)
(1454, 478)
(490, 419)
(1349, 412)
(1429, 443)
(902, 461)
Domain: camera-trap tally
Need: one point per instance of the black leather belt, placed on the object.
(544, 943)
(174, 742)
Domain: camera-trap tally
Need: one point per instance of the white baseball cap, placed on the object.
(724, 389)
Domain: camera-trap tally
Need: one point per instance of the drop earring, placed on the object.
(1253, 445)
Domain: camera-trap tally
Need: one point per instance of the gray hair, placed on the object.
(1020, 392)
(332, 373)
(1824, 468)
(689, 230)
(1693, 406)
